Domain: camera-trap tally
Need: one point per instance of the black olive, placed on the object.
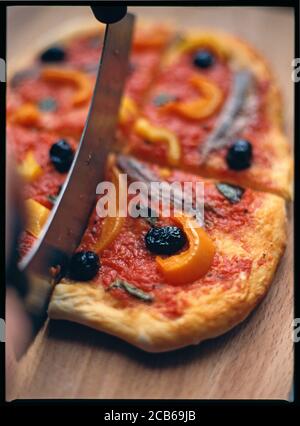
(165, 240)
(239, 155)
(84, 265)
(61, 155)
(53, 54)
(204, 59)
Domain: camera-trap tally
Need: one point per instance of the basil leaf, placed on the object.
(231, 192)
(146, 213)
(48, 104)
(52, 198)
(132, 290)
(163, 99)
(149, 215)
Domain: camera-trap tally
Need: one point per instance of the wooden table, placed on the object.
(255, 359)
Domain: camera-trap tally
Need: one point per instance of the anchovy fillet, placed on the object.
(217, 139)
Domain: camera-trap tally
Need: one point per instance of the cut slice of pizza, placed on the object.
(162, 283)
(215, 109)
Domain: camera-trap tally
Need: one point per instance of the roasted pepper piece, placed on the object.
(128, 110)
(29, 169)
(203, 107)
(110, 230)
(192, 263)
(80, 80)
(111, 226)
(158, 134)
(37, 215)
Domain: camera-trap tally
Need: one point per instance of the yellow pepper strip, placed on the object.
(158, 134)
(199, 41)
(128, 110)
(111, 226)
(200, 108)
(80, 80)
(37, 215)
(165, 172)
(193, 263)
(27, 115)
(29, 169)
(110, 230)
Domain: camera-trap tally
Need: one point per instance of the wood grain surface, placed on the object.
(255, 359)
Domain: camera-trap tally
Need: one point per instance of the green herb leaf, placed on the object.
(52, 198)
(151, 220)
(231, 192)
(163, 99)
(149, 215)
(132, 290)
(48, 104)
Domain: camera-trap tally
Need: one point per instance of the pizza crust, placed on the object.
(208, 315)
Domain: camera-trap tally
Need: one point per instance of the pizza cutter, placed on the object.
(48, 258)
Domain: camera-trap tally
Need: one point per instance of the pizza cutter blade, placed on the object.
(68, 219)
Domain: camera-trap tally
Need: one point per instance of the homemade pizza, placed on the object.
(198, 107)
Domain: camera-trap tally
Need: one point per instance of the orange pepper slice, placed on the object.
(128, 110)
(111, 226)
(157, 135)
(78, 79)
(29, 169)
(192, 263)
(203, 107)
(27, 115)
(36, 215)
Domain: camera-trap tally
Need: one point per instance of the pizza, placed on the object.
(198, 107)
(215, 109)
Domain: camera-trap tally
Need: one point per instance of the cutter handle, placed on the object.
(109, 14)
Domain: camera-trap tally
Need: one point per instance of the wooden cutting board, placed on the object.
(255, 359)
